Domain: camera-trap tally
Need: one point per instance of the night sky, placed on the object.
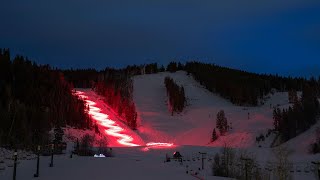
(268, 36)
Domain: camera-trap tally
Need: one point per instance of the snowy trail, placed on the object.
(110, 127)
(195, 124)
(120, 133)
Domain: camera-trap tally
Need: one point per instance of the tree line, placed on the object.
(174, 66)
(298, 118)
(241, 87)
(34, 99)
(240, 164)
(116, 86)
(176, 96)
(81, 78)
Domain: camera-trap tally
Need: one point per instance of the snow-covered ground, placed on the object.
(122, 167)
(190, 132)
(195, 124)
(133, 163)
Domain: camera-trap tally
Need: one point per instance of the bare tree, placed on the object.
(282, 163)
(249, 166)
(236, 164)
(224, 164)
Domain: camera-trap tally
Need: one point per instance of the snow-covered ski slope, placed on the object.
(195, 124)
(192, 127)
(110, 125)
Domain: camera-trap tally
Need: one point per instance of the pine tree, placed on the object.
(176, 95)
(222, 122)
(292, 95)
(180, 67)
(172, 67)
(58, 134)
(214, 135)
(276, 118)
(162, 69)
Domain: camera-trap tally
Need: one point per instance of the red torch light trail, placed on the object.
(112, 128)
(159, 144)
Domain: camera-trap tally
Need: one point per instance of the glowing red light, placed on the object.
(158, 144)
(113, 128)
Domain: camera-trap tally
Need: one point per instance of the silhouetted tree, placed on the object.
(177, 99)
(172, 67)
(214, 135)
(222, 122)
(34, 99)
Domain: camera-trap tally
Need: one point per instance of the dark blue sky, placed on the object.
(272, 36)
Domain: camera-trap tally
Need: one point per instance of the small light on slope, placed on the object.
(99, 155)
(158, 144)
